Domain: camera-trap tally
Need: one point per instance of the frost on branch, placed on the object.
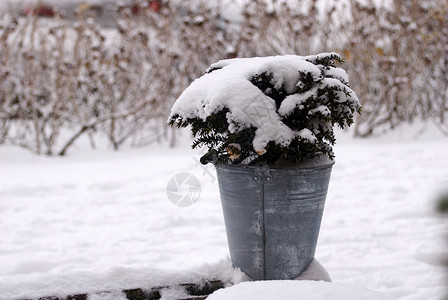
(278, 107)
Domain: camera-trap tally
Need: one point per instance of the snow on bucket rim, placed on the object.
(293, 289)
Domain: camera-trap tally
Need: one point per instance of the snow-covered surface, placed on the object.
(316, 272)
(227, 85)
(101, 220)
(110, 282)
(293, 290)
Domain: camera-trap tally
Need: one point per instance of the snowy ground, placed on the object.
(293, 290)
(101, 220)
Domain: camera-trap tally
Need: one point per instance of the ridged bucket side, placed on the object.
(272, 217)
(240, 198)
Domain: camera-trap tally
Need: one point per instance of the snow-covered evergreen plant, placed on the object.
(266, 109)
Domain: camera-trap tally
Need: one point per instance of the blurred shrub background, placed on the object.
(112, 71)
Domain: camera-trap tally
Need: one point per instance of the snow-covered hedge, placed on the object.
(62, 81)
(262, 109)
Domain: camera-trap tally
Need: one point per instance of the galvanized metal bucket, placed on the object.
(273, 217)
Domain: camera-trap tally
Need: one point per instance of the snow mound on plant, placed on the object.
(294, 290)
(227, 84)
